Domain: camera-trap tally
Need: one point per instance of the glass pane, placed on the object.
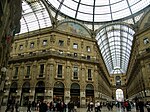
(115, 48)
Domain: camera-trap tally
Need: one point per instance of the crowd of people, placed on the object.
(61, 106)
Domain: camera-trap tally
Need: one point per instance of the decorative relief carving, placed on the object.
(52, 38)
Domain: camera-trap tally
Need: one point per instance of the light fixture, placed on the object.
(3, 69)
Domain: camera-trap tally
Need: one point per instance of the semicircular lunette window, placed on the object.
(115, 43)
(34, 16)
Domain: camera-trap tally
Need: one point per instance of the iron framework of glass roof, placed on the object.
(99, 10)
(34, 16)
(115, 41)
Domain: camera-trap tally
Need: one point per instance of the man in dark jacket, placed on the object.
(43, 106)
(141, 105)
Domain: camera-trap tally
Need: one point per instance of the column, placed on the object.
(82, 98)
(49, 94)
(18, 94)
(32, 95)
(67, 95)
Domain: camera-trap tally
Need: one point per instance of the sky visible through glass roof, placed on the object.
(115, 42)
(34, 16)
(99, 10)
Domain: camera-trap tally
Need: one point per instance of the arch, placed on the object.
(58, 84)
(40, 84)
(39, 91)
(34, 16)
(58, 91)
(119, 95)
(115, 42)
(25, 93)
(75, 93)
(89, 87)
(74, 28)
(26, 85)
(75, 86)
(114, 23)
(14, 85)
(144, 21)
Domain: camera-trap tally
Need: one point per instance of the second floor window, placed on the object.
(88, 49)
(146, 41)
(16, 71)
(20, 47)
(28, 70)
(61, 43)
(88, 57)
(60, 52)
(44, 42)
(89, 74)
(75, 73)
(41, 69)
(75, 45)
(32, 45)
(59, 71)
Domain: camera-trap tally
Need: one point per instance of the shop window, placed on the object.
(75, 73)
(61, 43)
(146, 40)
(75, 45)
(59, 73)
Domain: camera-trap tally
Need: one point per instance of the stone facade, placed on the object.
(138, 74)
(56, 65)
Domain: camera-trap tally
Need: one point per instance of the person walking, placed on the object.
(148, 106)
(29, 106)
(17, 106)
(141, 105)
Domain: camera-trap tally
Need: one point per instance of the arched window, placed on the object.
(119, 95)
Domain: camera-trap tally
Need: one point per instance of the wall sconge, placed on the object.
(9, 82)
(30, 91)
(3, 69)
(45, 90)
(6, 83)
(16, 91)
(7, 78)
(4, 91)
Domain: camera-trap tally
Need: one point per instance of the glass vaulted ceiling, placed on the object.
(115, 41)
(34, 16)
(99, 10)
